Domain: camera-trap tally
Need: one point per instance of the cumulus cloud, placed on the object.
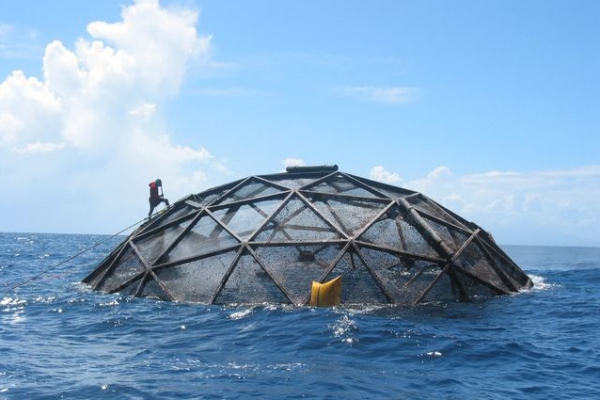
(293, 162)
(544, 207)
(88, 93)
(96, 109)
(153, 43)
(390, 95)
(379, 173)
(30, 111)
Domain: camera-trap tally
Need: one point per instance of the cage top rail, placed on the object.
(311, 168)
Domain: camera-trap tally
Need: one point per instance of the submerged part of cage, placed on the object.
(267, 238)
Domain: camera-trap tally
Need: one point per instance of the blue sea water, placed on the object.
(58, 339)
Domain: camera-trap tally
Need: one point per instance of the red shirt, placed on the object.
(153, 189)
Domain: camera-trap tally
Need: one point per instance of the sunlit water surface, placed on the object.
(58, 339)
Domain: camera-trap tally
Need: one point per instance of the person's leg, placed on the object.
(151, 208)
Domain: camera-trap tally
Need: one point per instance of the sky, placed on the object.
(490, 108)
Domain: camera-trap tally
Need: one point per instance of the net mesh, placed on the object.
(267, 238)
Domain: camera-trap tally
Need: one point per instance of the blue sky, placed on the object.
(490, 108)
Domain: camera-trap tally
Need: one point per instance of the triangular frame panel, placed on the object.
(394, 231)
(358, 283)
(297, 221)
(249, 189)
(404, 278)
(351, 215)
(197, 281)
(204, 236)
(243, 219)
(295, 266)
(124, 270)
(249, 282)
(153, 289)
(342, 185)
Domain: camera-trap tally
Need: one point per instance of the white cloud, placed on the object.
(91, 130)
(18, 42)
(30, 111)
(145, 110)
(545, 207)
(159, 41)
(380, 174)
(9, 127)
(437, 178)
(88, 92)
(293, 162)
(40, 148)
(160, 150)
(390, 95)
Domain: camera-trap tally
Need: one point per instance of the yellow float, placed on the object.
(327, 294)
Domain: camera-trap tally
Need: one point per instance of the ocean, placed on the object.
(58, 339)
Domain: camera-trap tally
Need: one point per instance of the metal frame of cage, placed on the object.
(391, 245)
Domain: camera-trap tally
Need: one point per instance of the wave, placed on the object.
(540, 284)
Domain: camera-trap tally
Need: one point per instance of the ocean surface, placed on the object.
(58, 339)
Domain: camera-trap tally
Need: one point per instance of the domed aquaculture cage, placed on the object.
(266, 238)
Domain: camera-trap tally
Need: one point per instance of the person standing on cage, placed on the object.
(156, 196)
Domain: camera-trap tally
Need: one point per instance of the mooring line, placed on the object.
(71, 258)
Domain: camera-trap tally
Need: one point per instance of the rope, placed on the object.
(71, 258)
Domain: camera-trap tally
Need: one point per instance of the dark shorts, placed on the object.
(154, 201)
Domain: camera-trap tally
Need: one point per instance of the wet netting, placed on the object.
(267, 238)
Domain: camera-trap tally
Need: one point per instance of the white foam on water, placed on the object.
(45, 300)
(14, 310)
(241, 314)
(539, 283)
(110, 303)
(344, 329)
(287, 366)
(9, 301)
